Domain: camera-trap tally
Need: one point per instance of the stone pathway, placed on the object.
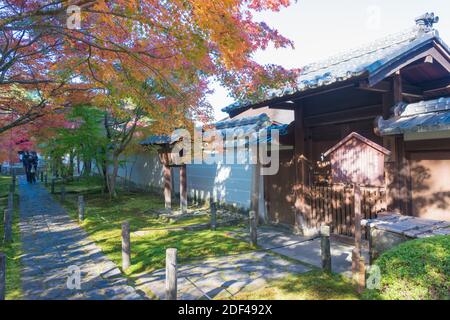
(222, 277)
(52, 243)
(299, 248)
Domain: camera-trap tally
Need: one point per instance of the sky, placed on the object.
(320, 28)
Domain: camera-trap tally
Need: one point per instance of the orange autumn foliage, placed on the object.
(162, 54)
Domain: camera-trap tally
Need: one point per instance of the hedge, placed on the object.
(413, 270)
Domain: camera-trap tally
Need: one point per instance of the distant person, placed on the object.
(32, 174)
(26, 161)
(34, 161)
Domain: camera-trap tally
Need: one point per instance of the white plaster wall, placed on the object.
(231, 184)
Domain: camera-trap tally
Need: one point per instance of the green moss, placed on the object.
(415, 270)
(13, 250)
(104, 218)
(313, 285)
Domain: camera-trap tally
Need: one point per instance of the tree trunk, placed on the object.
(87, 166)
(113, 177)
(105, 176)
(71, 165)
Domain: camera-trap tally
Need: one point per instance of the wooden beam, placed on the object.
(344, 116)
(441, 56)
(288, 105)
(385, 86)
(396, 66)
(397, 88)
(388, 102)
(382, 86)
(435, 84)
(409, 90)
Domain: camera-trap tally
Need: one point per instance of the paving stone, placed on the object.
(222, 277)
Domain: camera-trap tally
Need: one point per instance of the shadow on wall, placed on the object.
(430, 182)
(421, 188)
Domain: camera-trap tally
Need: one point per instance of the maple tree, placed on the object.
(172, 42)
(160, 54)
(80, 137)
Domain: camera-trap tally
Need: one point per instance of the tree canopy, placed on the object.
(157, 55)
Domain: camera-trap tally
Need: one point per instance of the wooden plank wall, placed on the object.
(334, 205)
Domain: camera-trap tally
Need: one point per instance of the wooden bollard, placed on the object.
(126, 246)
(63, 192)
(171, 274)
(370, 241)
(2, 276)
(14, 179)
(53, 186)
(213, 208)
(80, 208)
(7, 225)
(194, 198)
(355, 265)
(356, 253)
(253, 231)
(361, 275)
(11, 201)
(325, 247)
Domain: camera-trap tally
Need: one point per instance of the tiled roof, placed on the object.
(243, 127)
(368, 58)
(161, 139)
(248, 127)
(423, 116)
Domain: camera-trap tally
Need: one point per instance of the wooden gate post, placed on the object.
(194, 198)
(126, 246)
(325, 247)
(368, 229)
(2, 276)
(183, 189)
(171, 274)
(167, 187)
(362, 275)
(14, 178)
(253, 226)
(212, 206)
(7, 225)
(254, 202)
(11, 201)
(80, 208)
(357, 251)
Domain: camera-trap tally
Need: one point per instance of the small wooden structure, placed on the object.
(358, 161)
